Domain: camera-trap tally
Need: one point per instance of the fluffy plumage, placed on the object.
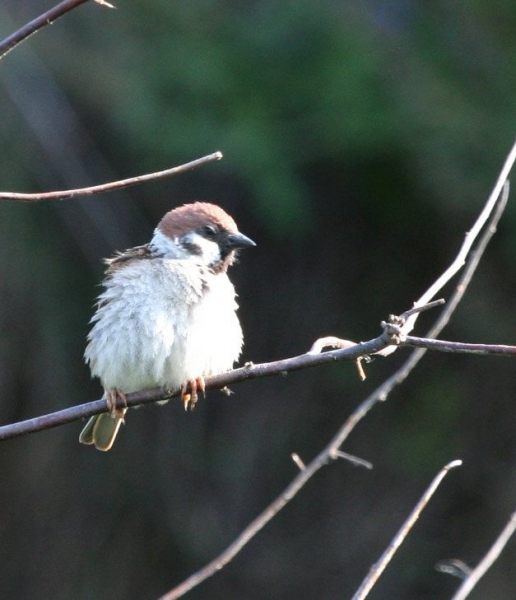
(167, 315)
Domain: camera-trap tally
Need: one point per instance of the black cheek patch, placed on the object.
(192, 248)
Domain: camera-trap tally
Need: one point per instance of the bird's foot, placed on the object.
(112, 401)
(189, 392)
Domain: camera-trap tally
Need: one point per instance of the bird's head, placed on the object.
(201, 231)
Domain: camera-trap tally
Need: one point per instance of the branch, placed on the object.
(501, 187)
(378, 568)
(114, 185)
(458, 347)
(488, 560)
(249, 371)
(331, 451)
(39, 22)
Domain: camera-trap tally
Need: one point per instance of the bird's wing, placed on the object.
(123, 258)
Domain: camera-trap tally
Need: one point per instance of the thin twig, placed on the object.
(38, 23)
(380, 394)
(480, 570)
(459, 347)
(469, 240)
(378, 568)
(113, 185)
(422, 307)
(354, 460)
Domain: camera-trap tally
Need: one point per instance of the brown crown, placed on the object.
(190, 217)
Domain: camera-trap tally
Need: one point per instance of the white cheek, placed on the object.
(166, 246)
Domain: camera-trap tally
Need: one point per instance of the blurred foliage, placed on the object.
(360, 140)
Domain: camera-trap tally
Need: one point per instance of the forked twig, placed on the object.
(471, 236)
(360, 412)
(379, 567)
(113, 185)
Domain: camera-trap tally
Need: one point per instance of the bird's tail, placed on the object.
(101, 430)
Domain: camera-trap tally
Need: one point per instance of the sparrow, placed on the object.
(167, 315)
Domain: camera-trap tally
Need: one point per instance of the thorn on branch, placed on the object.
(297, 459)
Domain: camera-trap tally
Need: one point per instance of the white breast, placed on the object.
(163, 322)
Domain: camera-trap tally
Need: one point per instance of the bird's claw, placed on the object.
(190, 398)
(111, 401)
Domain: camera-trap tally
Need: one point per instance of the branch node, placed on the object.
(393, 328)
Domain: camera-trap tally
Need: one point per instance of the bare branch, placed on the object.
(501, 187)
(380, 394)
(459, 347)
(394, 321)
(249, 371)
(378, 568)
(38, 23)
(422, 307)
(480, 570)
(252, 371)
(114, 185)
(354, 460)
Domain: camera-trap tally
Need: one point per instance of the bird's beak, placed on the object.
(239, 240)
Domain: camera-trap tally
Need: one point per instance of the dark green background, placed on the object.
(361, 139)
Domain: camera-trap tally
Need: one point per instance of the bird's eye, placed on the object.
(209, 231)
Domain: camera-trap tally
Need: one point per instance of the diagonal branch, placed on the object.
(486, 563)
(378, 568)
(113, 185)
(500, 187)
(330, 452)
(38, 23)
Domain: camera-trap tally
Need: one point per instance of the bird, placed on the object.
(167, 314)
